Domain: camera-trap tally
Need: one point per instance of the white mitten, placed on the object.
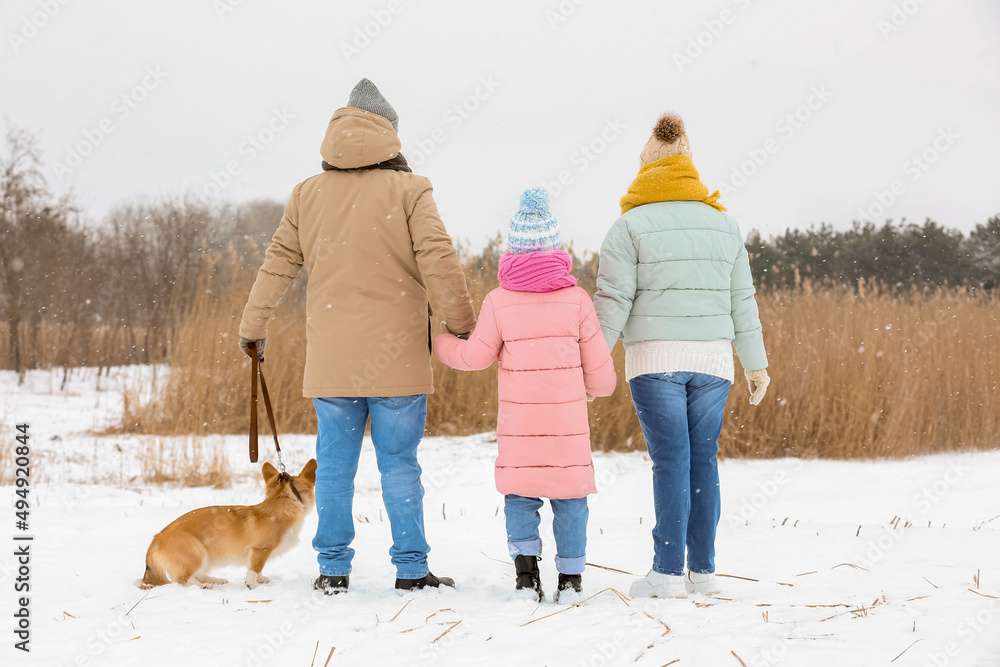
(758, 381)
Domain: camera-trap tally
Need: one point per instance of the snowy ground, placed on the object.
(821, 572)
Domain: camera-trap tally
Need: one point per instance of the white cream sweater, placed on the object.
(713, 357)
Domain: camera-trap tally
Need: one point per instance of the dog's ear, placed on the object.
(269, 472)
(309, 471)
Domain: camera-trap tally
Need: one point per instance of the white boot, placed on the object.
(656, 585)
(704, 584)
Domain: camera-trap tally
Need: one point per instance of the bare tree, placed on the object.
(32, 217)
(248, 226)
(984, 253)
(156, 250)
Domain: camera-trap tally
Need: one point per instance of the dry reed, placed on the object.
(856, 373)
(49, 344)
(194, 462)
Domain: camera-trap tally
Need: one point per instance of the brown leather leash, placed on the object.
(255, 372)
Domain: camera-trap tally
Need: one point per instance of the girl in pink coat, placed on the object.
(544, 332)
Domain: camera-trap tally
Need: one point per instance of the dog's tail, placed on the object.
(153, 576)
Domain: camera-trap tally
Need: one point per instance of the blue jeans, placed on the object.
(681, 417)
(397, 427)
(569, 524)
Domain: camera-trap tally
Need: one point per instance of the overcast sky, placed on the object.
(802, 112)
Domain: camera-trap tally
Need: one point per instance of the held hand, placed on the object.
(757, 381)
(258, 343)
(446, 330)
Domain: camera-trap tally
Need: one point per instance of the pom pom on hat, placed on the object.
(533, 228)
(669, 128)
(536, 200)
(669, 138)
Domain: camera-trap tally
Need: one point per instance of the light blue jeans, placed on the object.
(397, 427)
(569, 524)
(681, 417)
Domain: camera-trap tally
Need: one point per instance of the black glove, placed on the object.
(260, 343)
(463, 336)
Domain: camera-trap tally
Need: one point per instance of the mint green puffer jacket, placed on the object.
(678, 270)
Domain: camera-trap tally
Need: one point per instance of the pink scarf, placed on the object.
(543, 271)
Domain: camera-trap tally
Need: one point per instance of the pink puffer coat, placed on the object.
(551, 354)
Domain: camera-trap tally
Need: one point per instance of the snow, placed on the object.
(794, 537)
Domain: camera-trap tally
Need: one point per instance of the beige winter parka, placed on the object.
(373, 245)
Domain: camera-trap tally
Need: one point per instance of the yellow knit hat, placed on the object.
(669, 138)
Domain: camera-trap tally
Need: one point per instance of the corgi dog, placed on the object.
(210, 537)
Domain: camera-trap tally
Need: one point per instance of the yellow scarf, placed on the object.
(672, 178)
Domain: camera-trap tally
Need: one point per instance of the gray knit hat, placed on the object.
(366, 96)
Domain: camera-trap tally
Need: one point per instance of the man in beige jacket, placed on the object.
(368, 232)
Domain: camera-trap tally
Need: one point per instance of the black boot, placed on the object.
(331, 585)
(428, 580)
(527, 576)
(569, 583)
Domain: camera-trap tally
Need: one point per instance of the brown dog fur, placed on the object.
(210, 537)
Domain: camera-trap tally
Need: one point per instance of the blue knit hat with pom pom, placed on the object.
(533, 228)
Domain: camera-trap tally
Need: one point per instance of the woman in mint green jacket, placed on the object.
(674, 284)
